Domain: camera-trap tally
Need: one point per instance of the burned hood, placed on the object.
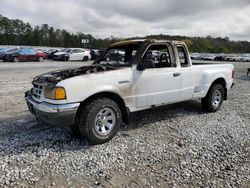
(54, 77)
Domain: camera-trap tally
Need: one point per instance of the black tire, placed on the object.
(85, 58)
(74, 131)
(87, 120)
(41, 59)
(65, 58)
(108, 58)
(214, 98)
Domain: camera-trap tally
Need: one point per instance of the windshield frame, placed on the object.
(135, 45)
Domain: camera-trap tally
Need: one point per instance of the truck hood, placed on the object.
(54, 77)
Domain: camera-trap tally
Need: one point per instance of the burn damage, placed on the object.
(52, 78)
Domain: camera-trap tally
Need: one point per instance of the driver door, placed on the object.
(159, 83)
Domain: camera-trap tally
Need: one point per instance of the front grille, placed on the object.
(37, 91)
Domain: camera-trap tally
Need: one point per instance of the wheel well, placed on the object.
(222, 82)
(113, 96)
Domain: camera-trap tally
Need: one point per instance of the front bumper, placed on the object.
(53, 114)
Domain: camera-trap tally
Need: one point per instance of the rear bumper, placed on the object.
(53, 114)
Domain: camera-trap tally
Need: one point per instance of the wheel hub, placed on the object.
(105, 121)
(216, 98)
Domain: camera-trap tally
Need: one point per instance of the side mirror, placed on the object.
(140, 66)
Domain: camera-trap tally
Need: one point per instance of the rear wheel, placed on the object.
(99, 120)
(214, 98)
(40, 59)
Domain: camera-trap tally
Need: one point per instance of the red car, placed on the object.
(25, 54)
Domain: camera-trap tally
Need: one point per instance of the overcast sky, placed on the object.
(126, 18)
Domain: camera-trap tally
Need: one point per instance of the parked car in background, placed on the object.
(50, 52)
(220, 57)
(94, 54)
(6, 51)
(194, 55)
(2, 52)
(73, 54)
(231, 57)
(245, 58)
(115, 54)
(236, 57)
(209, 57)
(201, 56)
(25, 54)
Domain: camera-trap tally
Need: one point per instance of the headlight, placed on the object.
(56, 93)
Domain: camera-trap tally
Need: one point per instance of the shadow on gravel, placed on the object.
(141, 118)
(23, 134)
(243, 77)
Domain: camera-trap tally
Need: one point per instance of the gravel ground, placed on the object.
(174, 146)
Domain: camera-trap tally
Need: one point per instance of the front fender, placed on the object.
(78, 93)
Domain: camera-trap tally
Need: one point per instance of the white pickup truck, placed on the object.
(94, 100)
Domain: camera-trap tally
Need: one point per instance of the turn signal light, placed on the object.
(60, 93)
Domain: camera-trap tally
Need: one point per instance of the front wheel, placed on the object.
(214, 98)
(99, 120)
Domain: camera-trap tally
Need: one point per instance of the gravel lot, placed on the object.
(174, 146)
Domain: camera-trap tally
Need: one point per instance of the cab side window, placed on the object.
(182, 56)
(157, 56)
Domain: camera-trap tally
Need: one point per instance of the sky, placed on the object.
(128, 18)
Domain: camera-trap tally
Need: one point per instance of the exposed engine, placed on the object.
(54, 77)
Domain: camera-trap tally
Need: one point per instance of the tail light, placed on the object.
(233, 73)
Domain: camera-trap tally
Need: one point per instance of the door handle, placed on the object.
(176, 74)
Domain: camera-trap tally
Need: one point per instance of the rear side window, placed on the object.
(182, 56)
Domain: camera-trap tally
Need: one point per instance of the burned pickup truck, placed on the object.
(94, 100)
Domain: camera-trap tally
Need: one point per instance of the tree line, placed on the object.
(17, 32)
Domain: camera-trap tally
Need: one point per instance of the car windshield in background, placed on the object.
(67, 50)
(13, 50)
(27, 51)
(3, 49)
(120, 55)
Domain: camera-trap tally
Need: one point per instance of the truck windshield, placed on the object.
(119, 55)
